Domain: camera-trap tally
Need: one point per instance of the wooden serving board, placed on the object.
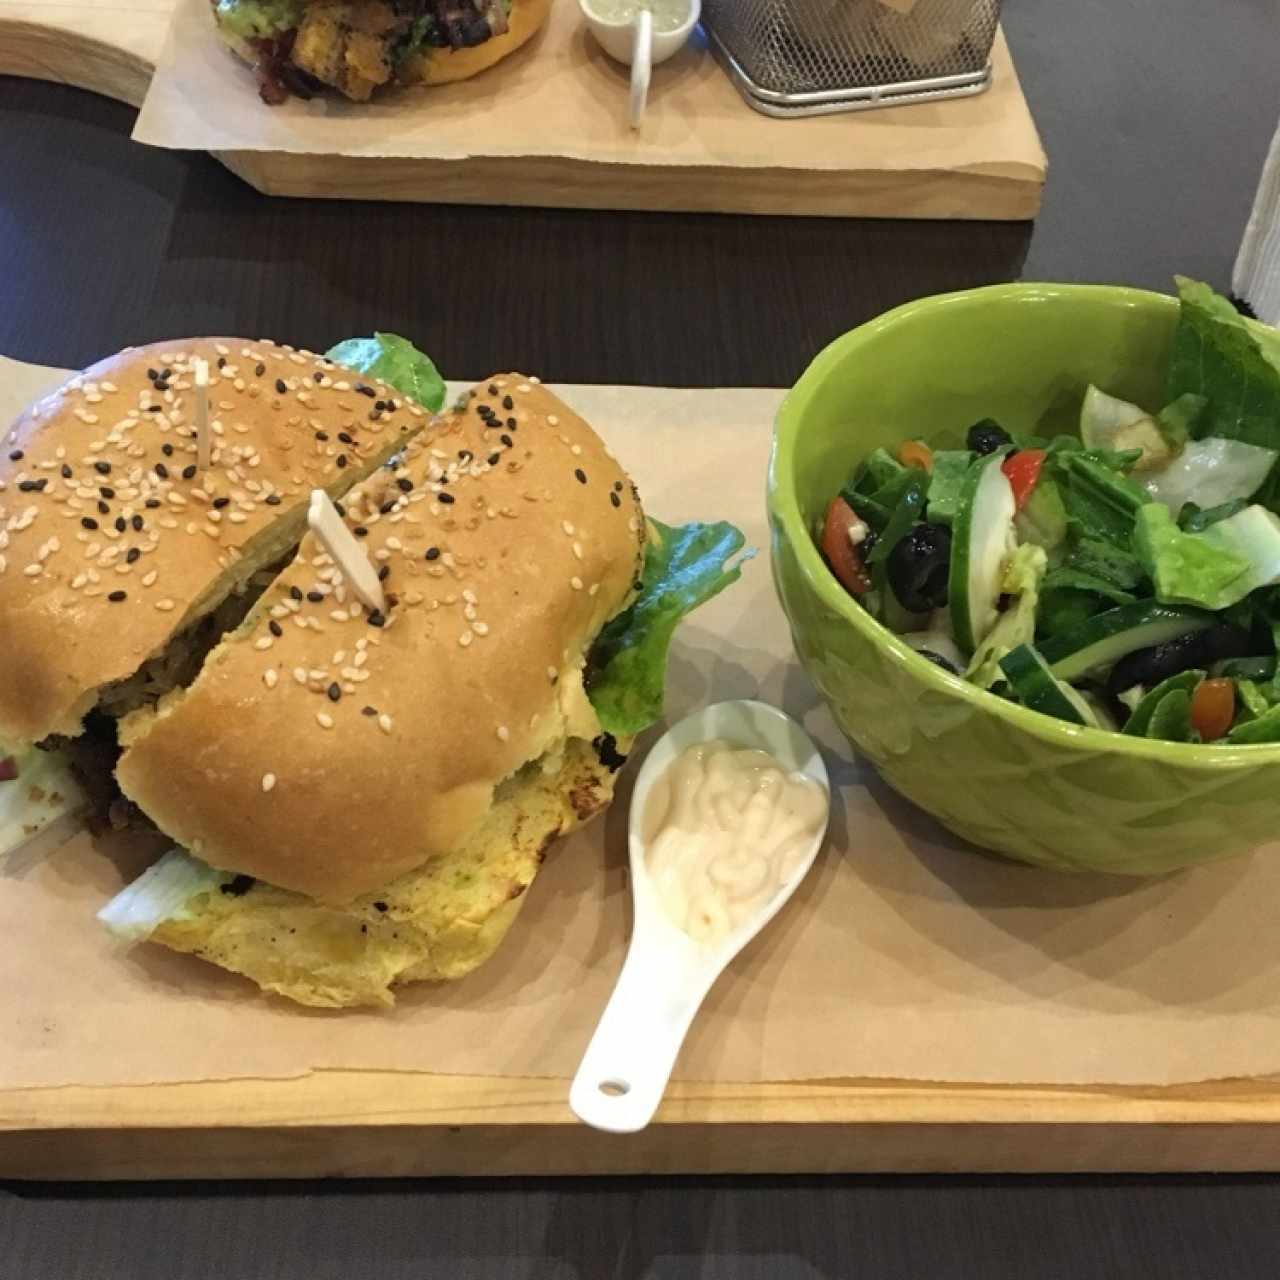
(702, 149)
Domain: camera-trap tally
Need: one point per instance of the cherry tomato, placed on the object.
(915, 453)
(840, 553)
(1213, 707)
(1023, 470)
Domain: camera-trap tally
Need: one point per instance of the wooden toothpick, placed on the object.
(324, 521)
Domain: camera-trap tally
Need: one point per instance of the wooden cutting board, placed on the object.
(740, 161)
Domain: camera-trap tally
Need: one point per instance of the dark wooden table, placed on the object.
(1156, 115)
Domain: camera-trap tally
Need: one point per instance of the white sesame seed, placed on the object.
(577, 550)
(263, 642)
(165, 606)
(524, 386)
(339, 615)
(384, 723)
(148, 579)
(568, 528)
(465, 639)
(33, 570)
(576, 583)
(552, 420)
(324, 720)
(480, 628)
(551, 673)
(503, 733)
(576, 450)
(595, 586)
(300, 675)
(268, 781)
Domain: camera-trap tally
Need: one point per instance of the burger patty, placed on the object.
(354, 46)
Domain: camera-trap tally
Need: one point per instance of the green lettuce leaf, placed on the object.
(1139, 724)
(1193, 519)
(1069, 597)
(397, 362)
(1100, 500)
(1017, 624)
(684, 567)
(1113, 564)
(1186, 567)
(1216, 356)
(950, 466)
(1178, 420)
(1266, 728)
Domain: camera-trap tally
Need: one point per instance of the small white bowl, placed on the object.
(635, 43)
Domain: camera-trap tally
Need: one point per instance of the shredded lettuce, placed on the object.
(1216, 356)
(397, 362)
(44, 790)
(1017, 624)
(1142, 723)
(1210, 472)
(684, 567)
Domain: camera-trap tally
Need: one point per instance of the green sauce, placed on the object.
(256, 19)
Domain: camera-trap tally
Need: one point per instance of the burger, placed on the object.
(361, 795)
(358, 46)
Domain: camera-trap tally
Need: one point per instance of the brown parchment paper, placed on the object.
(561, 96)
(903, 955)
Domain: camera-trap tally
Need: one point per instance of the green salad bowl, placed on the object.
(1005, 778)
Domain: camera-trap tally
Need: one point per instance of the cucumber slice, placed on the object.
(1106, 637)
(982, 536)
(1040, 690)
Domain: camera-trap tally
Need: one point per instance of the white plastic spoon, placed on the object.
(667, 974)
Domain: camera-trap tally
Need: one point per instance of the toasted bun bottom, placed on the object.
(439, 922)
(444, 66)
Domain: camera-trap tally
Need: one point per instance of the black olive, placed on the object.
(987, 436)
(939, 661)
(919, 566)
(1201, 649)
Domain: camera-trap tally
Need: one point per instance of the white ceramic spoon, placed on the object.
(667, 974)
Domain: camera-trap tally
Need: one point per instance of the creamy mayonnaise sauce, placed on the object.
(668, 15)
(725, 829)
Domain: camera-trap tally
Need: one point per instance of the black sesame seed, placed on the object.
(153, 374)
(384, 573)
(152, 503)
(117, 596)
(275, 628)
(162, 471)
(381, 405)
(387, 507)
(345, 438)
(617, 501)
(334, 692)
(317, 377)
(433, 553)
(315, 597)
(273, 499)
(494, 459)
(237, 886)
(493, 388)
(102, 468)
(391, 404)
(341, 460)
(66, 472)
(377, 619)
(131, 556)
(136, 521)
(16, 455)
(617, 486)
(506, 440)
(120, 524)
(188, 473)
(368, 711)
(404, 484)
(167, 450)
(260, 370)
(106, 491)
(508, 402)
(447, 498)
(366, 391)
(88, 522)
(465, 455)
(155, 408)
(104, 508)
(360, 531)
(32, 486)
(340, 509)
(374, 415)
(280, 387)
(511, 424)
(219, 503)
(222, 362)
(296, 592)
(322, 436)
(377, 906)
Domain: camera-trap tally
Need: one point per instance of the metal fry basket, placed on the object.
(814, 57)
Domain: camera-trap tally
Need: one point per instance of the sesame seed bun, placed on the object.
(328, 750)
(111, 543)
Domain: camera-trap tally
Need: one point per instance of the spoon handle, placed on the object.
(625, 1069)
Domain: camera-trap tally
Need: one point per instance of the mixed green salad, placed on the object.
(1127, 578)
